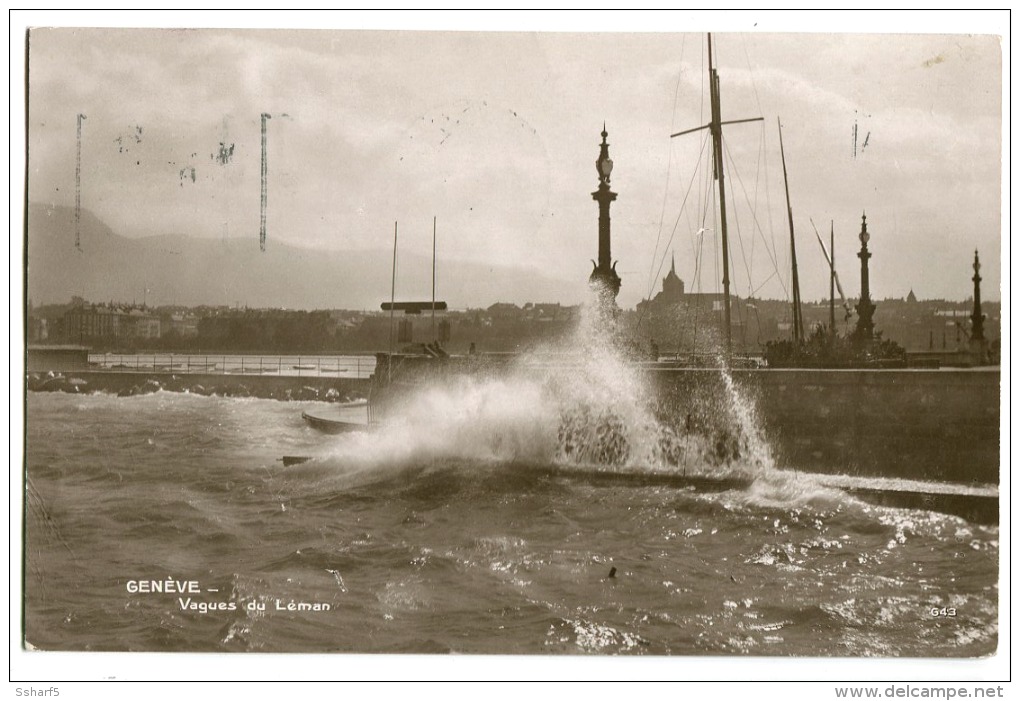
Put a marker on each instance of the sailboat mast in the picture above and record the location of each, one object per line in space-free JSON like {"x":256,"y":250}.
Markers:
{"x":832,"y":279}
{"x":393,"y":299}
{"x":433,"y":279}
{"x":264,"y":195}
{"x":77,"y":187}
{"x":716,"y":128}
{"x":798,"y":324}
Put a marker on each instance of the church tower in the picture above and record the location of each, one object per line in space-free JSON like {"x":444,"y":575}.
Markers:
{"x":672,"y":286}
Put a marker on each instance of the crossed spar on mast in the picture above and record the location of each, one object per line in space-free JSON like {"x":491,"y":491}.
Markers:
{"x":716,"y":126}
{"x":77,"y":184}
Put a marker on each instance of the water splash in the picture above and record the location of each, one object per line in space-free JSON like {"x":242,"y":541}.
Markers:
{"x":593,"y":407}
{"x":744,"y":413}
{"x":464,"y":417}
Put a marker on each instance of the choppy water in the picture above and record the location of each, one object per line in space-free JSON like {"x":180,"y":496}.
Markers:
{"x":459,"y":528}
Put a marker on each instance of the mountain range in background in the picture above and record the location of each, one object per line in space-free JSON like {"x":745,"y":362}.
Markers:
{"x":187,"y":270}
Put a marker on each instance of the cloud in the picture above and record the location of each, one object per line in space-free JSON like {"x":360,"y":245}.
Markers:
{"x":496,"y":134}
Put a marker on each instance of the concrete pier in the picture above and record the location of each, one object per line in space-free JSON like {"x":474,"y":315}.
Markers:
{"x":938,"y":425}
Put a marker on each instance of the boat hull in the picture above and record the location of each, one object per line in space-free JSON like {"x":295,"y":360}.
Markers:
{"x":330,"y":422}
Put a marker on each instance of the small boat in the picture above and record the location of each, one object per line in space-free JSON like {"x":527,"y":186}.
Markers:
{"x":328,"y":420}
{"x":303,"y":367}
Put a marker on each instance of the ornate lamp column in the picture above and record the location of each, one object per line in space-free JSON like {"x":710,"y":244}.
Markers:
{"x":603,"y":277}
{"x":977,"y":319}
{"x":978,"y":344}
{"x":865,"y":330}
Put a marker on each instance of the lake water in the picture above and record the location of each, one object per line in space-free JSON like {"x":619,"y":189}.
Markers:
{"x":472,"y":521}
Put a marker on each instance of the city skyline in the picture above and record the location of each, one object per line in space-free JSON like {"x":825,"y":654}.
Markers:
{"x":496,"y":135}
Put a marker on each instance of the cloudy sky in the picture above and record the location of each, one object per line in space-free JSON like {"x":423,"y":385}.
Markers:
{"x":496,"y":135}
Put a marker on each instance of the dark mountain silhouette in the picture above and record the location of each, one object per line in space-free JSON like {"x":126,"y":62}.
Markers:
{"x":186,"y":270}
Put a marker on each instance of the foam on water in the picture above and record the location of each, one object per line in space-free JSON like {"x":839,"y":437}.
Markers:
{"x":779,"y":489}
{"x":597,"y":408}
{"x":471,"y":418}
{"x":472,"y":554}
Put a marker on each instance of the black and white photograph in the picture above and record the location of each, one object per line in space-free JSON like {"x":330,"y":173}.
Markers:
{"x":677,"y":343}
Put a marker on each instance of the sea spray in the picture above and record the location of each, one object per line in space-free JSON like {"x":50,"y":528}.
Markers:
{"x":596,"y":407}
{"x":463,"y":417}
{"x":745,"y":415}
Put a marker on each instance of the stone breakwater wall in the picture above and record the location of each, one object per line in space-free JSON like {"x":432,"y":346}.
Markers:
{"x":938,"y":425}
{"x":330,"y":389}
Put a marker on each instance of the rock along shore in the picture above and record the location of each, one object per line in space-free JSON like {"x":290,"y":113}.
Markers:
{"x":129,"y":384}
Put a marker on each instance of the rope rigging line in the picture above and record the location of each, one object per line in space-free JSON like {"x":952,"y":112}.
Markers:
{"x":750,"y":70}
{"x":743,"y":253}
{"x":768,"y":205}
{"x":762,"y":154}
{"x":736,"y":221}
{"x":766,"y":281}
{"x":742,"y":310}
{"x":676,"y":224}
{"x":669,"y":169}
{"x":757,"y":225}
{"x":757,"y":182}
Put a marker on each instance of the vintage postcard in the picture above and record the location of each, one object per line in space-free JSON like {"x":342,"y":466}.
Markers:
{"x":670,"y":343}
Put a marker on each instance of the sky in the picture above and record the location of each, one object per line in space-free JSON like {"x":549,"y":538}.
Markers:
{"x":496,"y":133}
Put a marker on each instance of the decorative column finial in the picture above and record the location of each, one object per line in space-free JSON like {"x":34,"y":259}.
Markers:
{"x":977,"y":319}
{"x":604,"y":276}
{"x":865,"y":330}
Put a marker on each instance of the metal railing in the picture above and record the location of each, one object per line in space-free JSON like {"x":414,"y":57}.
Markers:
{"x":353,"y":366}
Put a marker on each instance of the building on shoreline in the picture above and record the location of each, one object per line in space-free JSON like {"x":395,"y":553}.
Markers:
{"x":91,"y":322}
